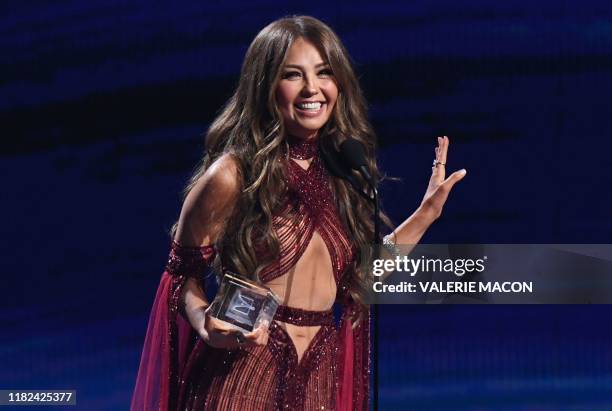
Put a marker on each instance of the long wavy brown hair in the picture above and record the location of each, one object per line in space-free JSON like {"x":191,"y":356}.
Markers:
{"x":250,"y":127}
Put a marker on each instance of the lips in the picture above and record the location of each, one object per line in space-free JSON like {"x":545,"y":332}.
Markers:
{"x":310,"y":108}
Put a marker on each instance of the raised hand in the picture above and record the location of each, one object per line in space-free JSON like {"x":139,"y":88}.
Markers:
{"x":439,"y":186}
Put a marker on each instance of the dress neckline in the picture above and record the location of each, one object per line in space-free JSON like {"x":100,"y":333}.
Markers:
{"x":300,"y":149}
{"x":299,"y":166}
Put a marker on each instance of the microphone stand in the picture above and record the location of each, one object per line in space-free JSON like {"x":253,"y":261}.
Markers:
{"x":376,"y":255}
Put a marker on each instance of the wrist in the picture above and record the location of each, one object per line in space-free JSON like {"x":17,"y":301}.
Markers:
{"x":411,"y":230}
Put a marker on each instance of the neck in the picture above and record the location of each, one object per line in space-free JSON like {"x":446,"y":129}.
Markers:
{"x":302,"y":149}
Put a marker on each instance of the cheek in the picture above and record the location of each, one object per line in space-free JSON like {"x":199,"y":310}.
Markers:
{"x":331,"y":92}
{"x":284,"y":97}
{"x":333,"y":101}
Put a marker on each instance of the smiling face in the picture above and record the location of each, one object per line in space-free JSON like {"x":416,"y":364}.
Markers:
{"x":306,"y":92}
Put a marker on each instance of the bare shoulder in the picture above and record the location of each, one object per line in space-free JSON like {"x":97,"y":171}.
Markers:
{"x":209,"y":203}
{"x":222,"y":175}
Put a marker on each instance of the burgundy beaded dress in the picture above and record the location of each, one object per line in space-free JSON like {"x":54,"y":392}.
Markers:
{"x":179,"y":371}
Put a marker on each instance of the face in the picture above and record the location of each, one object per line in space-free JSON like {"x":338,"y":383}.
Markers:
{"x":307,"y":91}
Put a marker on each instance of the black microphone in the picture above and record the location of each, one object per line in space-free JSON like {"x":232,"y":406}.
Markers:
{"x":353,"y":154}
{"x":338,"y":167}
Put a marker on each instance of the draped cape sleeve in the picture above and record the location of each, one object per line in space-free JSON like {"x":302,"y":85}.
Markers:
{"x":169,"y":337}
{"x":353,"y":361}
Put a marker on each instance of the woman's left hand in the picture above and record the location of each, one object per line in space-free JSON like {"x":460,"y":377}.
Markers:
{"x":439,"y":186}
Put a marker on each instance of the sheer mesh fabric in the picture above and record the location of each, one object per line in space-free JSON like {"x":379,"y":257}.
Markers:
{"x":309,"y":207}
{"x":263,"y":378}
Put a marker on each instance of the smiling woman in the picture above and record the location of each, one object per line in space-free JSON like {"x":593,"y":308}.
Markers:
{"x":263,"y":205}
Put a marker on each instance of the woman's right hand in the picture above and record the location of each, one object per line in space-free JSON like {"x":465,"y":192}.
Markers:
{"x":219,"y":334}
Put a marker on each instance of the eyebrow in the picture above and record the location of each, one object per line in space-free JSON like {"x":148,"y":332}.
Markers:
{"x":302,"y":67}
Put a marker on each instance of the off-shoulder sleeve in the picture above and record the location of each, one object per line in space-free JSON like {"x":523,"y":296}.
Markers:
{"x":169,"y":338}
{"x":189,"y":261}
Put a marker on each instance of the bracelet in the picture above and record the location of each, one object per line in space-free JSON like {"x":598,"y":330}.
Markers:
{"x":390,"y":246}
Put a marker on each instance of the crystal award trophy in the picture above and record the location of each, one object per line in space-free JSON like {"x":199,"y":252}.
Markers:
{"x":244,"y":304}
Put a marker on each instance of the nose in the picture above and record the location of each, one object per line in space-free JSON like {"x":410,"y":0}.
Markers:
{"x":311,"y":87}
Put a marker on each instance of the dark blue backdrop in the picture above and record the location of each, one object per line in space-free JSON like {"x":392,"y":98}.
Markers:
{"x":102,"y":106}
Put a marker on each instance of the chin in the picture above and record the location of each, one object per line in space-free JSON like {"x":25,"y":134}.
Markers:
{"x":304,"y":132}
{"x":309,"y":128}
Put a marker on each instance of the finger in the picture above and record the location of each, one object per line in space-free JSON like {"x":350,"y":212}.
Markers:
{"x":212,"y":324}
{"x":265,"y":332}
{"x":454,"y":178}
{"x":444,"y":150}
{"x":437,"y":149}
{"x":256,"y":337}
{"x":434,"y":166}
{"x":438,"y":171}
{"x":253,"y":335}
{"x":239,"y":339}
{"x":261,"y":337}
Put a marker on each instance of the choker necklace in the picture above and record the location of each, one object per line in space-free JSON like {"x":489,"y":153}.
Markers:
{"x":303,"y":149}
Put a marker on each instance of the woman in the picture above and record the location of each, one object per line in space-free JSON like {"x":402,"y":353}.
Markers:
{"x":263,"y":205}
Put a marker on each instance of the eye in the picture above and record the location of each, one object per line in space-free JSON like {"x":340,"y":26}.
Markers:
{"x":326,"y":72}
{"x":291,"y":74}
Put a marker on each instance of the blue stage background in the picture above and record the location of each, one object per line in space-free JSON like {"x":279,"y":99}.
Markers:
{"x":103,"y":104}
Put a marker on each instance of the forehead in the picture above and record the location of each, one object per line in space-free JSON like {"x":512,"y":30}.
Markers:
{"x":302,"y":52}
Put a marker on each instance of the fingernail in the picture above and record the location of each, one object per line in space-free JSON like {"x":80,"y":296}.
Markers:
{"x":463,"y":171}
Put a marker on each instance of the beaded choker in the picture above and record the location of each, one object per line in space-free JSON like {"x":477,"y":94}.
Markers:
{"x":300,"y":149}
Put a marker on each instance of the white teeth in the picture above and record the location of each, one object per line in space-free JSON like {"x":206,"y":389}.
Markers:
{"x":309,"y":106}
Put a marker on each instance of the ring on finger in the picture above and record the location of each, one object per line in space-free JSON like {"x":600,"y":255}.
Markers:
{"x":240,"y":338}
{"x":437,"y":163}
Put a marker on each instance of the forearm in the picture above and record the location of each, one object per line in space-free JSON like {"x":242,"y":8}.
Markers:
{"x":409,"y":233}
{"x":194,"y":303}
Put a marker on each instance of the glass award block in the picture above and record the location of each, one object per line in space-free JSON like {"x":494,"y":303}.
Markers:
{"x":244,"y":304}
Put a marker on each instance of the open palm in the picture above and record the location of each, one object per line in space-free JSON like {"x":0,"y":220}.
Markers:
{"x":439,"y":186}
